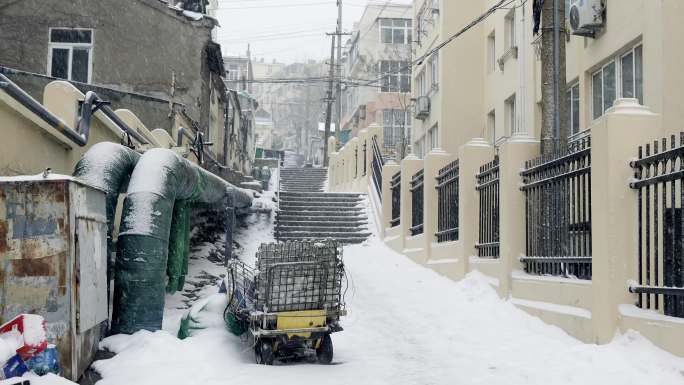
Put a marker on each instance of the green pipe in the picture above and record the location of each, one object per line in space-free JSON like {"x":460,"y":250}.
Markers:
{"x":160,"y":178}
{"x":108,"y":166}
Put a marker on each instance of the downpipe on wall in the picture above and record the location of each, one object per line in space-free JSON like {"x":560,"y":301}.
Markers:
{"x":160,"y":178}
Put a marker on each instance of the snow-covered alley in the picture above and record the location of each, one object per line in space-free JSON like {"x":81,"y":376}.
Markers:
{"x":406,"y":325}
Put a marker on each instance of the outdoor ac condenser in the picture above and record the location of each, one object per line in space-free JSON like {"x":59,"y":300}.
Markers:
{"x":586,"y":16}
{"x":53,"y":246}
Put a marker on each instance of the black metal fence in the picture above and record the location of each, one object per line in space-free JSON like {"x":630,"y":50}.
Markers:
{"x":395,"y":187}
{"x":356,"y":162}
{"x":659,"y":181}
{"x":376,"y":165}
{"x":447,"y":214}
{"x":365,"y":157}
{"x":557,"y":188}
{"x":417,"y":201}
{"x":488,"y":189}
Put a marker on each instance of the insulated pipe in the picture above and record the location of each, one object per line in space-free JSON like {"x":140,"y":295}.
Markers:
{"x":161,"y":178}
{"x":80,"y":138}
{"x":108,"y":166}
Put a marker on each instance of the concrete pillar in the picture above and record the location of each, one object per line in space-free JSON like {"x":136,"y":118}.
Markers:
{"x":471,"y":156}
{"x":409,"y":166}
{"x":434,"y":161}
{"x":388,"y":172}
{"x":512,"y":236}
{"x":614,"y":142}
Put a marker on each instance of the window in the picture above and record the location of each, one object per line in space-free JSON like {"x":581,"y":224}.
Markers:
{"x":573,"y":108}
{"x":510,"y":115}
{"x":434,"y":71}
{"x":491,"y":52}
{"x":491,"y":124}
{"x":510,"y":30}
{"x":396,"y":76}
{"x":395,"y":31}
{"x":70,"y":54}
{"x":395,"y":123}
{"x":433,"y":136}
{"x":621,"y":76}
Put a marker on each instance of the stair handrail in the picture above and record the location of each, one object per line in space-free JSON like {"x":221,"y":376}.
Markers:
{"x":377,"y":164}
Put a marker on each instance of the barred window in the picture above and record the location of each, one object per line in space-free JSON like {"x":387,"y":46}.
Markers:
{"x":396,"y":76}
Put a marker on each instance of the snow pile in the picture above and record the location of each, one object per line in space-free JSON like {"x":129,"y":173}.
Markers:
{"x":34,"y":329}
{"x":48,"y":379}
{"x":9,"y":343}
{"x":406,"y":325}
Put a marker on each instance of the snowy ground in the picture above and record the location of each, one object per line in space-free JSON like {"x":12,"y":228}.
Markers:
{"x":406,"y":325}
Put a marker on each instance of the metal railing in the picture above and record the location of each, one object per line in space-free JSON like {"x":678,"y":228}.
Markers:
{"x":376,"y":165}
{"x":557,"y":189}
{"x":488,"y":189}
{"x":417,"y":191}
{"x":659,"y":181}
{"x":395,"y":187}
{"x":447,"y":212}
{"x":365,"y":157}
{"x":356,"y":162}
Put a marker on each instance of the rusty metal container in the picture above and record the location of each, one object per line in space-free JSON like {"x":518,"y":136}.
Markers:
{"x":53,"y":262}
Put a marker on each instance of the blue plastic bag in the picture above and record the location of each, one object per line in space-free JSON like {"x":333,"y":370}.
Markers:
{"x":14,"y":367}
{"x":45,"y":362}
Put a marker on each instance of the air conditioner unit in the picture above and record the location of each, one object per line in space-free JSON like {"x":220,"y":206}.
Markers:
{"x":422,"y":107}
{"x":586,"y":17}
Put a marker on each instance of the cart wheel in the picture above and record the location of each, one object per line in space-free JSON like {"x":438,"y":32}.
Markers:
{"x":325,"y":350}
{"x":263,"y":353}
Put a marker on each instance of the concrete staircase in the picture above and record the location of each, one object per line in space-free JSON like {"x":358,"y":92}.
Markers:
{"x":308,"y":213}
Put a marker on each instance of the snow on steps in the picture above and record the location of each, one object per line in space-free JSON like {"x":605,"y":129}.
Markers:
{"x":306,"y":212}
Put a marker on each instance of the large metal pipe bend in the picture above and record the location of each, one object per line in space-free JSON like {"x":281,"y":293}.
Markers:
{"x":160,"y":178}
{"x":108,"y":166}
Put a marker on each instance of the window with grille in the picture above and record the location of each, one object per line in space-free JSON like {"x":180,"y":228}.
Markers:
{"x":70,"y":54}
{"x":396,"y":76}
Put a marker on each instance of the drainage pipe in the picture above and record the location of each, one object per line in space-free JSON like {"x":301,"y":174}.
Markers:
{"x":160,"y":178}
{"x":108,"y":166}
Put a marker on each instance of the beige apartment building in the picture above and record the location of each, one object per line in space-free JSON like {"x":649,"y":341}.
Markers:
{"x":578,"y":238}
{"x":378,"y":69}
{"x":491,"y":84}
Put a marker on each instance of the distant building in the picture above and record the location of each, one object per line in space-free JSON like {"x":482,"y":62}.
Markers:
{"x":379,"y":51}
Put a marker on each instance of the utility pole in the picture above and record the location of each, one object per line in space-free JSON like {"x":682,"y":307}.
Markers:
{"x":329,"y":99}
{"x":338,"y":125}
{"x":554,"y":98}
